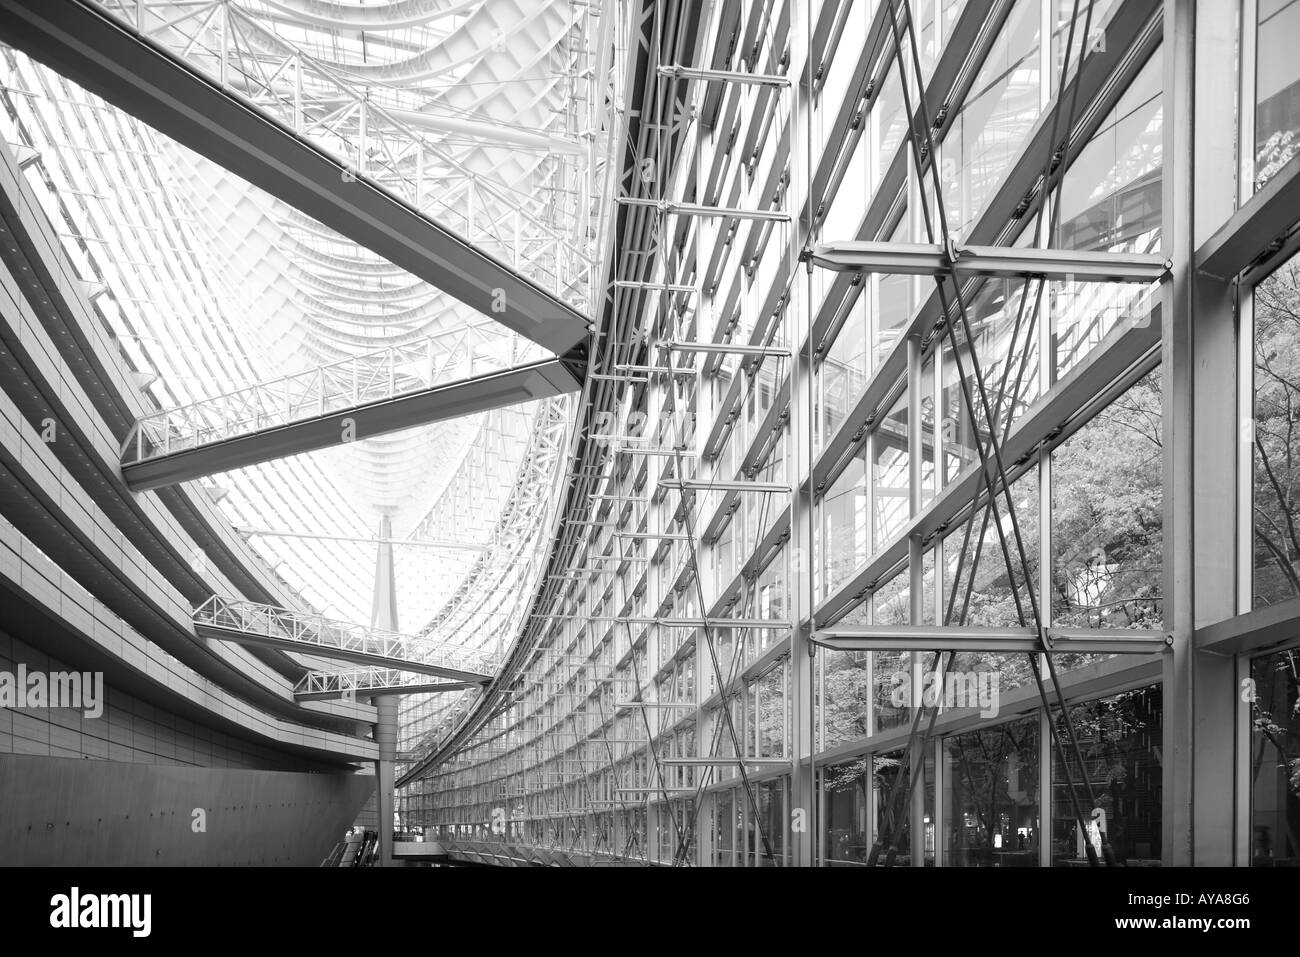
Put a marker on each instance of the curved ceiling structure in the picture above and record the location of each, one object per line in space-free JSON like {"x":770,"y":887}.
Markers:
{"x":484,"y":116}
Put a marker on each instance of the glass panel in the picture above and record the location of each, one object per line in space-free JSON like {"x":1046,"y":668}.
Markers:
{"x":1275,"y":759}
{"x":893,"y":303}
{"x":1120,"y":738}
{"x":991,"y":780}
{"x":1277,"y":435}
{"x":1277,"y":87}
{"x":771,"y":714}
{"x":928,"y":455}
{"x":724,"y":830}
{"x":848,"y":206}
{"x":770,"y":797}
{"x":847,"y":696}
{"x":1107,"y":531}
{"x":889,"y":772}
{"x":844,"y":788}
{"x":890,"y":669}
{"x":846,"y":534}
{"x":844,"y":369}
{"x":890,"y":474}
{"x":1110,"y":197}
{"x":889,"y":121}
{"x":1093,"y":20}
{"x":992,"y":601}
{"x":999,"y":112}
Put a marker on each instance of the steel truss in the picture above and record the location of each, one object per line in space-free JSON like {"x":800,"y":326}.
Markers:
{"x":450,"y":375}
{"x":380,"y":126}
{"x":370,"y":683}
{"x":253,"y":623}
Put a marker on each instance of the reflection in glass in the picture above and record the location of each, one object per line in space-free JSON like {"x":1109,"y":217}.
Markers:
{"x":991,"y":805}
{"x":998,"y":114}
{"x":846,"y":696}
{"x":890,"y":473}
{"x":979,"y":585}
{"x":1277,"y":435}
{"x":1277,"y":87}
{"x":845,"y":797}
{"x":1110,"y":196}
{"x":889,"y":774}
{"x":1120,"y":738}
{"x":889,"y":668}
{"x":894,"y":304}
{"x":1107,"y":533}
{"x":770,"y":797}
{"x":845,"y":530}
{"x":1275,"y":759}
{"x":844,"y":369}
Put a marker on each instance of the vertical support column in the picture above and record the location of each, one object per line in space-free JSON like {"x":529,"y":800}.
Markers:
{"x":384,"y":615}
{"x":803,"y":731}
{"x":1199,"y":365}
{"x":386,"y":738}
{"x":916,"y":592}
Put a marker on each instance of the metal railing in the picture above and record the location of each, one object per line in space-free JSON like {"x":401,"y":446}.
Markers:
{"x":314,"y":630}
{"x":357,"y":682}
{"x":456,"y":356}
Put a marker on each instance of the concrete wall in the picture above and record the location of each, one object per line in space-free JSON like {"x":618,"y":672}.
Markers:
{"x":130,"y":728}
{"x":78,"y":812}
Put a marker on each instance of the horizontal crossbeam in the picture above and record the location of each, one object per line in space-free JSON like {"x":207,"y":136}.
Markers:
{"x":678,"y":71}
{"x":971,"y":638}
{"x":932,"y":259}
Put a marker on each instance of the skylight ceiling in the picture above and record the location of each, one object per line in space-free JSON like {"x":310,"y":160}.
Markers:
{"x":479,"y":114}
{"x":476,"y":113}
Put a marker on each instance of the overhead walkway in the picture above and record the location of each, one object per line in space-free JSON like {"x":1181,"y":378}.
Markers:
{"x":250,"y":623}
{"x":108,"y":58}
{"x":370,"y":683}
{"x":357,"y":398}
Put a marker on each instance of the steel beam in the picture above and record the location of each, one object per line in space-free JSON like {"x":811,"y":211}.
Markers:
{"x":725,"y":762}
{"x":536,"y":380}
{"x":726,"y":348}
{"x":1262,"y":220}
{"x":677,"y":71}
{"x":330,"y":686}
{"x":105,"y":56}
{"x":709,"y":212}
{"x":952,"y":638}
{"x":710,"y":485}
{"x":324,"y":651}
{"x":932,"y":259}
{"x":688,"y":705}
{"x":250,"y":623}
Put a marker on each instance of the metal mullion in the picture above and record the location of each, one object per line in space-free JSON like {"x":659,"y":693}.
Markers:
{"x":1247,"y":87}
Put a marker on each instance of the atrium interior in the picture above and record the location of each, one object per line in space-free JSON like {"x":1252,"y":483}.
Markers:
{"x":660,"y":433}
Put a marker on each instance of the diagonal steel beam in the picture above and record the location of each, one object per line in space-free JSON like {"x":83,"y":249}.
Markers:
{"x":137,"y":75}
{"x":156,"y":467}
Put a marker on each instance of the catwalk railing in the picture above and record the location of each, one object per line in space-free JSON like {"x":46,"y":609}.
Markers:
{"x":313,"y":634}
{"x":455,"y":356}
